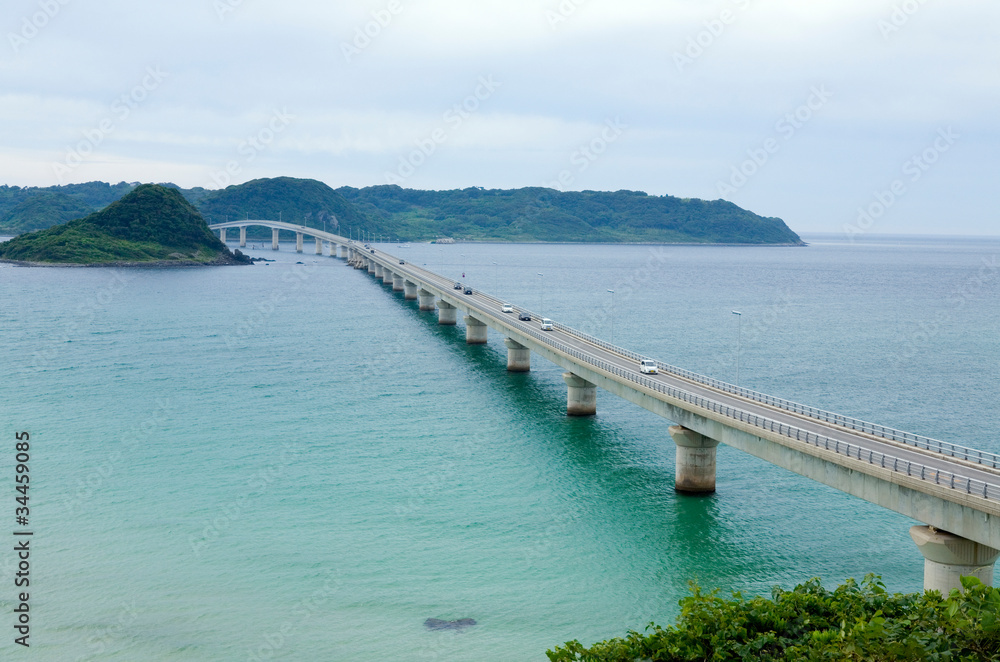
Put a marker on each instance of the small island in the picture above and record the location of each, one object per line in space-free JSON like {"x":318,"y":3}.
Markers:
{"x":152,"y":226}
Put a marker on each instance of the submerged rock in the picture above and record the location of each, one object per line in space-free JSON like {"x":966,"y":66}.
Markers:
{"x":438,"y":624}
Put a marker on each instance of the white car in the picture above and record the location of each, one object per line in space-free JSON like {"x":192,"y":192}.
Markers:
{"x":647,"y":367}
{"x":546,"y":324}
{"x":507,"y":308}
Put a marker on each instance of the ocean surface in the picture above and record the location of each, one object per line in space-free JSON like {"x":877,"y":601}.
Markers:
{"x":290,"y":462}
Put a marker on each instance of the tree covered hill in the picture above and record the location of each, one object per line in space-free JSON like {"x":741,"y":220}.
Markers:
{"x":541,"y":214}
{"x":472,"y":214}
{"x":151,"y":224}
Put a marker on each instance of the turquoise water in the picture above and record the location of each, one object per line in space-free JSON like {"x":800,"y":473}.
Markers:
{"x":290,"y":462}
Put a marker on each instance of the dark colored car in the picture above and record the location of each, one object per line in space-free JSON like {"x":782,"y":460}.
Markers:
{"x":457,"y":286}
{"x":373,"y":250}
{"x":524,"y":317}
{"x":402,"y":262}
{"x":468,"y":290}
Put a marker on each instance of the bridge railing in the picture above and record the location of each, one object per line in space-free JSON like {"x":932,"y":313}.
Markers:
{"x":898,"y":465}
{"x":917,"y":441}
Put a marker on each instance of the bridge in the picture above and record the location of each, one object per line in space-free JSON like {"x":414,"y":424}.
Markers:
{"x":953,"y":490}
{"x":301,"y":231}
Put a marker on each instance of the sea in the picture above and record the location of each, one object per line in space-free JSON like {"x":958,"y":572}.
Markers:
{"x":291,"y":462}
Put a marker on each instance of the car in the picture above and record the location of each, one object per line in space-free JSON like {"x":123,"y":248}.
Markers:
{"x":506,"y":308}
{"x":468,"y":290}
{"x":457,"y":286}
{"x":373,"y":250}
{"x":546,"y":324}
{"x":402,"y":262}
{"x":524,"y":317}
{"x":648,"y":367}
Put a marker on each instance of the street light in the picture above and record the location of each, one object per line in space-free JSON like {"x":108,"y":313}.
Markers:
{"x":612,"y":316}
{"x":496,"y":289}
{"x":541,"y":295}
{"x":739,"y":337}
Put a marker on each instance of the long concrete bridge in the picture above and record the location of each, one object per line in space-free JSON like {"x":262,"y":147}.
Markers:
{"x":953,"y":490}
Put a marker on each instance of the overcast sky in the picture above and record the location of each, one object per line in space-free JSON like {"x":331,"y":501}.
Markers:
{"x":812,"y":111}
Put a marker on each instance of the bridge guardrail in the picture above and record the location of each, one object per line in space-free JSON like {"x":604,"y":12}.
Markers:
{"x":923,"y":472}
{"x":917,"y":441}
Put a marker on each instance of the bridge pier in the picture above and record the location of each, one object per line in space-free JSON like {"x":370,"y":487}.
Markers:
{"x":372,"y":267}
{"x":581,"y":396}
{"x":298,"y":242}
{"x":222,"y":235}
{"x":378,"y":270}
{"x":343,"y":251}
{"x":397,"y":283}
{"x":243,"y":236}
{"x":386,"y":276}
{"x":274,"y":239}
{"x":518,"y":356}
{"x":446,"y":314}
{"x":409,"y":290}
{"x":319,"y":246}
{"x":475,"y":331}
{"x":426,"y":300}
{"x":947,"y":558}
{"x":695,"y":466}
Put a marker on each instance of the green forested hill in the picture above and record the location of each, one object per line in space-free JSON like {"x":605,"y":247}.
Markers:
{"x":472,"y":214}
{"x":541,"y":214}
{"x":150,"y":224}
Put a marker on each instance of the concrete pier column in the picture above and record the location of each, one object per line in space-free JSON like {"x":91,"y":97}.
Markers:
{"x":222,"y":235}
{"x":397,"y":283}
{"x":409,"y":290}
{"x":372,"y":266}
{"x":446,"y":314}
{"x":243,"y":236}
{"x":948,"y":557}
{"x":386,"y":276}
{"x":274,"y":239}
{"x":298,"y":242}
{"x":475,"y":331}
{"x":518,"y":356}
{"x":426,"y":300}
{"x":581,"y":396}
{"x":342,"y":251}
{"x":378,"y":270}
{"x":319,"y":246}
{"x":695,"y":473}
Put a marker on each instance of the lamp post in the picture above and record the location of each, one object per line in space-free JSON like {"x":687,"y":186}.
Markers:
{"x":739,"y":337}
{"x":496,"y":280}
{"x":612,"y":316}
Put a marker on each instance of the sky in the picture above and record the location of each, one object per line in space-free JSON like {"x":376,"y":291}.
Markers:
{"x":847,"y":116}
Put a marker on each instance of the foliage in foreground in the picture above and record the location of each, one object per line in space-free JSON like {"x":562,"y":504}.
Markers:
{"x":811,"y":624}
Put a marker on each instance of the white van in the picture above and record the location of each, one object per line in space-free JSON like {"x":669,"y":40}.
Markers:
{"x":647,"y":367}
{"x":546,"y":324}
